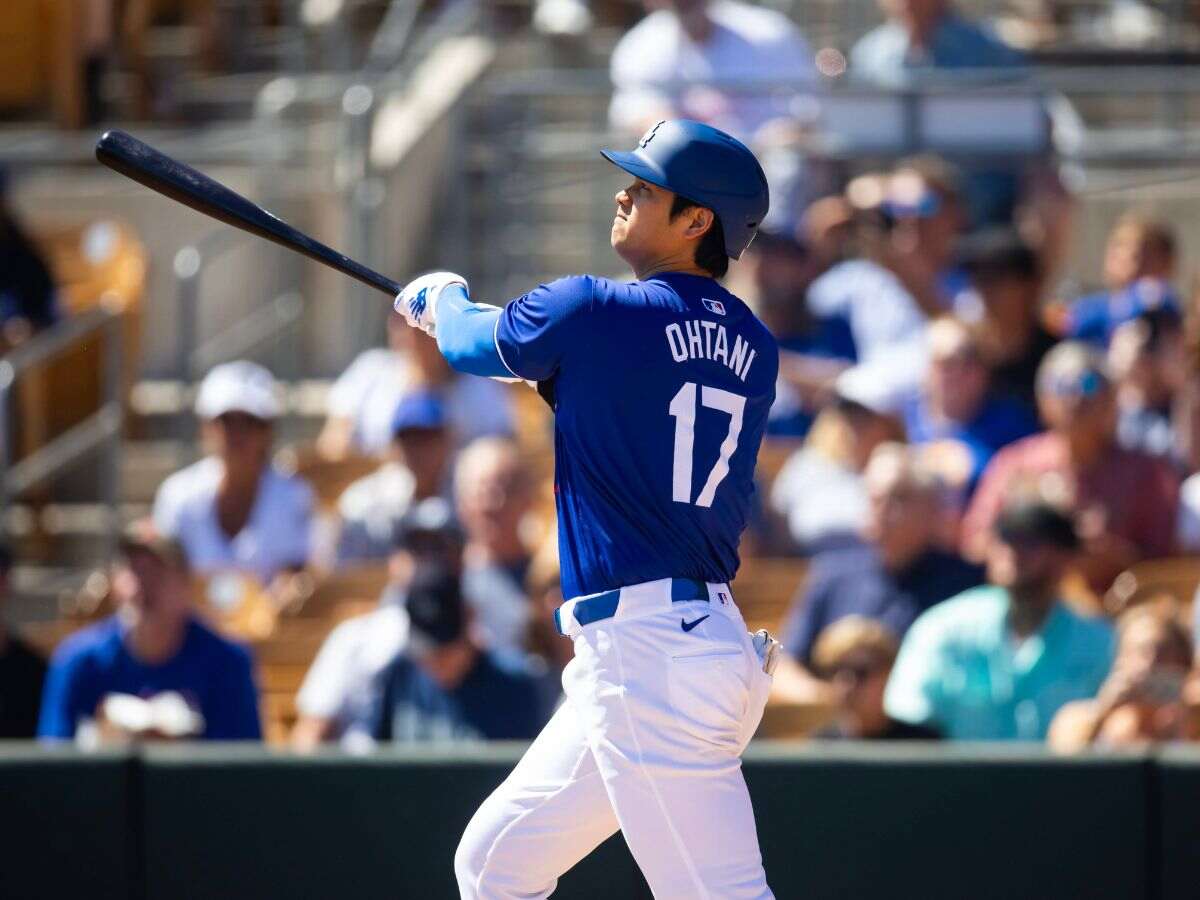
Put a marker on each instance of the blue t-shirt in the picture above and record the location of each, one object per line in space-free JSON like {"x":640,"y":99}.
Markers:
{"x":662,"y":389}
{"x":214,"y":675}
{"x":1000,"y":421}
{"x":851,"y":581}
{"x":1095,"y":317}
{"x":828,"y":338}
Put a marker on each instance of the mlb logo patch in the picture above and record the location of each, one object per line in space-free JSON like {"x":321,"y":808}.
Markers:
{"x":714,"y":306}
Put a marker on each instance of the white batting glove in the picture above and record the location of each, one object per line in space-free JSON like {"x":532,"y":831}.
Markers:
{"x":418,"y":301}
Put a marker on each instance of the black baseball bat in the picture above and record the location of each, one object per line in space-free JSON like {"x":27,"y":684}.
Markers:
{"x":134,"y":159}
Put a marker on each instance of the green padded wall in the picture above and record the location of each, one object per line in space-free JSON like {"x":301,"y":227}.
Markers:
{"x":67,"y":828}
{"x":231,"y":823}
{"x":835,"y":821}
{"x":1175,"y":800}
{"x":852,"y":822}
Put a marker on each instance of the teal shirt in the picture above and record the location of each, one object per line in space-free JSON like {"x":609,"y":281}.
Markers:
{"x":961,"y":671}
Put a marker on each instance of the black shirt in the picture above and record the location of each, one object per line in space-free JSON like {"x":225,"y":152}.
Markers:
{"x":1017,"y":377}
{"x":26,"y":286}
{"x":852,"y":581}
{"x":22,"y":673}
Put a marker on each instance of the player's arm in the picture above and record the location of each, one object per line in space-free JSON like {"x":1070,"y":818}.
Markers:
{"x":438,"y":304}
{"x":528,"y":339}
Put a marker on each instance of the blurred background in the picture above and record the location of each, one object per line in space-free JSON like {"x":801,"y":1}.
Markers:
{"x":240,"y":500}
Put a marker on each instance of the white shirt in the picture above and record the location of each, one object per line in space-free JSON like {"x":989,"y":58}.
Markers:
{"x":1187,"y":529}
{"x":338,"y":684}
{"x":655,"y":60}
{"x":276,"y":535}
{"x":881,"y":312}
{"x":819,"y":498}
{"x":501,"y":608}
{"x":369,"y":391}
{"x":369,"y":510}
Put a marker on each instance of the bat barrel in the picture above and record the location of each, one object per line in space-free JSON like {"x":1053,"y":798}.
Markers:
{"x":140,"y":162}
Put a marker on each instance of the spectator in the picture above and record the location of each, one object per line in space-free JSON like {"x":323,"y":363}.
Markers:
{"x":908,"y":225}
{"x":364,"y":399}
{"x":154,"y":645}
{"x":819,"y":493}
{"x":1186,"y":426}
{"x":28,"y":297}
{"x":1141,"y":701}
{"x":1007,"y":282}
{"x":921,"y":37}
{"x":855,"y":655}
{"x":1139,"y":262}
{"x":1149,"y":363}
{"x":957,"y":420}
{"x":22,"y":672}
{"x":494,"y":493}
{"x":716,"y":61}
{"x":234,"y":510}
{"x":1125,"y":502}
{"x":337,"y":691}
{"x":444,"y":685}
{"x":813,"y":351}
{"x":371,"y":507}
{"x":896,"y":573}
{"x":997,"y":662}
{"x":544,"y":585}
{"x":926,"y":34}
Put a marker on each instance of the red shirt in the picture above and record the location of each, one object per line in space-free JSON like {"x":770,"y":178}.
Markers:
{"x":1135,"y":495}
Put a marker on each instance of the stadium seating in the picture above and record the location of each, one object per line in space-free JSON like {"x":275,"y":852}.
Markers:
{"x":1176,"y":577}
{"x":97,"y":263}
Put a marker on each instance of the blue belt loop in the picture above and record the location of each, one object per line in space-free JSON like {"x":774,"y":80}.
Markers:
{"x":684,"y":590}
{"x":604,"y":606}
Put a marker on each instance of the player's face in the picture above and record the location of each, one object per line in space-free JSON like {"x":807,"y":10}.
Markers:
{"x":642,"y":227}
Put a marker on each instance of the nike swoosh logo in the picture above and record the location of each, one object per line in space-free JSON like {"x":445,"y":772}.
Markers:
{"x":688,"y":626}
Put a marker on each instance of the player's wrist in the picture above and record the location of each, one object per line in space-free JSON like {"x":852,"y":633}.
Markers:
{"x":419,"y":299}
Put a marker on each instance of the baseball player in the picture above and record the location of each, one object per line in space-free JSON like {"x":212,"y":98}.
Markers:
{"x":661,"y":388}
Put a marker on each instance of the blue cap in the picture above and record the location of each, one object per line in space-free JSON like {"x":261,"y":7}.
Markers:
{"x":708,"y":167}
{"x":423,"y":409}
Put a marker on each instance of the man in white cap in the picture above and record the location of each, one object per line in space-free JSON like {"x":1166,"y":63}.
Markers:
{"x":233,"y":510}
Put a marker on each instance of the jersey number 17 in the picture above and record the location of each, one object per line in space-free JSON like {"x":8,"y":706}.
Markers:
{"x":683,"y":408}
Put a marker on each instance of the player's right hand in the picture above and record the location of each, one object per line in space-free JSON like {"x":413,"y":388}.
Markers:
{"x":418,"y":301}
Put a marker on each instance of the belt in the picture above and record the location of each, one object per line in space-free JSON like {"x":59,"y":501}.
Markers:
{"x":574,"y":614}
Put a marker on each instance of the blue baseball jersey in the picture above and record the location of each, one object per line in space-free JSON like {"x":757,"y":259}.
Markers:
{"x":661,"y":389}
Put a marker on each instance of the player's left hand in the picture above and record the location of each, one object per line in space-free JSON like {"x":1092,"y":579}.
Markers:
{"x":418,"y":301}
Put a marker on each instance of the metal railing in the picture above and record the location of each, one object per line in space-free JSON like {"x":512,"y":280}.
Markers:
{"x":100,"y":431}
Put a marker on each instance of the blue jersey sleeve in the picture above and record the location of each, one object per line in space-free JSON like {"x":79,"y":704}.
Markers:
{"x":536,"y":331}
{"x":235,"y":717}
{"x":61,"y":703}
{"x":466,"y":334}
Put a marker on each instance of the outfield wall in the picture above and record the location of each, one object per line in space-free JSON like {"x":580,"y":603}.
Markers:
{"x":834,"y":821}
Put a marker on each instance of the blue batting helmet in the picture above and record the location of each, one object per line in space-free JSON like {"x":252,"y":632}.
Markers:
{"x":706,"y":166}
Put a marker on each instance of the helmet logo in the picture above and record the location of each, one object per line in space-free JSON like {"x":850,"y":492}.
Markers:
{"x":649,"y":135}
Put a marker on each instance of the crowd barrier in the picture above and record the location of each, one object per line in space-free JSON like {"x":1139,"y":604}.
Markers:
{"x":847,"y":821}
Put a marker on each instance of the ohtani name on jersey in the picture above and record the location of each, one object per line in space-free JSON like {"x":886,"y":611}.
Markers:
{"x":700,"y":339}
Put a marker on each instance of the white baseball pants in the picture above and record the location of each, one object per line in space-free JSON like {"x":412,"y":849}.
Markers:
{"x":649,"y":741}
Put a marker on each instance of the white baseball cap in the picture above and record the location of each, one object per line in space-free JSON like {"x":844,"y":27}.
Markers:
{"x":239,"y":386}
{"x":884,"y":385}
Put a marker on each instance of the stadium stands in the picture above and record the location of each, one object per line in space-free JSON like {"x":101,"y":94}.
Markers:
{"x":528,"y":203}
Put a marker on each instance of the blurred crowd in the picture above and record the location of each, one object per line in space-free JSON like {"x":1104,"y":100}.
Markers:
{"x":969,"y":452}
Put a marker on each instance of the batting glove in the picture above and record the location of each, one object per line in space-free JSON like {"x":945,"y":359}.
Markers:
{"x":418,"y":301}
